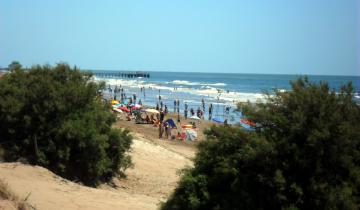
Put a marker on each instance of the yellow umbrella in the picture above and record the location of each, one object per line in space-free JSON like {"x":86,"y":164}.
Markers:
{"x":154,"y":111}
{"x":113,"y":102}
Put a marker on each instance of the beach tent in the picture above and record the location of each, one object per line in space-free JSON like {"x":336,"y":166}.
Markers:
{"x":153,"y":111}
{"x":218,"y":120}
{"x":191,"y":134}
{"x":171,"y":123}
{"x":194,"y":117}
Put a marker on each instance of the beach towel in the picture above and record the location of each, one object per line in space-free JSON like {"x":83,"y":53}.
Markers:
{"x":191,"y":134}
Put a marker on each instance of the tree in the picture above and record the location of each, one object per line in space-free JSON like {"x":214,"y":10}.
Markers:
{"x":304,"y":154}
{"x":53,"y":117}
{"x":14,"y":65}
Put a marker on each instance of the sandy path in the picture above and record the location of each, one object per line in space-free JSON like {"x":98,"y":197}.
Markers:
{"x":151,"y":180}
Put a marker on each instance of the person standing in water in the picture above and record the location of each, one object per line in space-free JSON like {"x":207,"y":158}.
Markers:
{"x":174,"y":105}
{"x":166,"y":110}
{"x":203,"y":104}
{"x":178,"y":106}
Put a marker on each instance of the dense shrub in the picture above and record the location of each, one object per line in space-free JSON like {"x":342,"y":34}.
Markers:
{"x":53,"y":117}
{"x":304,"y":154}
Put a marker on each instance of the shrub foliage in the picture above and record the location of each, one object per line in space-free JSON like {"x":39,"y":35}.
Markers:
{"x":304,"y":154}
{"x":53,"y":117}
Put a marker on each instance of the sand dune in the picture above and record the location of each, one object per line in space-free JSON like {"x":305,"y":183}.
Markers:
{"x":152,"y":179}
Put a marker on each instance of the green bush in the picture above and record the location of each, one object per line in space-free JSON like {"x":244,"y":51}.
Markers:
{"x":304,"y":154}
{"x":53,"y":117}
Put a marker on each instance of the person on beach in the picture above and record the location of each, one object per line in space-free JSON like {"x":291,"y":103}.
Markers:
{"x":161,"y":105}
{"x":210,"y":111}
{"x":161,"y":130}
{"x":192,"y":112}
{"x":157,"y":106}
{"x":152,"y":119}
{"x":147,"y":119}
{"x":174,"y":105}
{"x":178,"y":106}
{"x":186,"y":110}
{"x":198,"y":112}
{"x":162,"y":115}
{"x":140,"y":102}
{"x":203,"y":104}
{"x":165,"y":125}
{"x":134,"y":96}
{"x":166,"y":110}
{"x":167,"y":128}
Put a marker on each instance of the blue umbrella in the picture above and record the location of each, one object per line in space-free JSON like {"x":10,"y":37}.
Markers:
{"x":218,"y":120}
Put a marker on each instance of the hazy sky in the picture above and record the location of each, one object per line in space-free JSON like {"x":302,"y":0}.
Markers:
{"x":253,"y":36}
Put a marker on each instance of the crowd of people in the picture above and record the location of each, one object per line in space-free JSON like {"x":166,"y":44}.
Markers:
{"x":132,"y":103}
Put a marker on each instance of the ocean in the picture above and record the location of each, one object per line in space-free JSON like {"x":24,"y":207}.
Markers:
{"x":223,"y":91}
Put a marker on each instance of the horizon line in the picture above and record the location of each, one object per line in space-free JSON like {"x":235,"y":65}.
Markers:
{"x":289,"y":74}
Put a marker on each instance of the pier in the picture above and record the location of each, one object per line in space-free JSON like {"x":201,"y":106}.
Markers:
{"x":121,"y":74}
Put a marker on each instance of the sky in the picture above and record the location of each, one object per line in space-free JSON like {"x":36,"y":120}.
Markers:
{"x":254,"y":36}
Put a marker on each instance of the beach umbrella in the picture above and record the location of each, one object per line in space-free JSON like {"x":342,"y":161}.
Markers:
{"x":154,"y":111}
{"x":218,"y":120}
{"x":135,"y":108}
{"x":113,"y":102}
{"x":194,"y":117}
{"x":124,"y":108}
{"x":118,"y":110}
{"x":116,"y":105}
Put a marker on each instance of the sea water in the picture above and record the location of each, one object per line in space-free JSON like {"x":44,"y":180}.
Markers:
{"x":222,"y":90}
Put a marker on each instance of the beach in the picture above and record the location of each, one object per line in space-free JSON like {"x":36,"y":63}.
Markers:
{"x":149,"y":182}
{"x":221,"y":90}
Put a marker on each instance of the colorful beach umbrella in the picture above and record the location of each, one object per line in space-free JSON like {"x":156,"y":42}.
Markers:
{"x":154,"y":111}
{"x":135,"y":108}
{"x":118,"y":110}
{"x":124,"y":108}
{"x":113,"y":102}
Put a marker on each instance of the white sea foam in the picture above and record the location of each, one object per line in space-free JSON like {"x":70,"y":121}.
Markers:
{"x":185,"y":82}
{"x":231,"y":96}
{"x":205,"y":90}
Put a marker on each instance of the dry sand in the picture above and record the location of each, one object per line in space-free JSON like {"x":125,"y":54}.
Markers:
{"x":149,"y":182}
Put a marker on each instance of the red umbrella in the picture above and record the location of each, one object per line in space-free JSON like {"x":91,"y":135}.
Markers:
{"x":123,"y":108}
{"x":135,"y":108}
